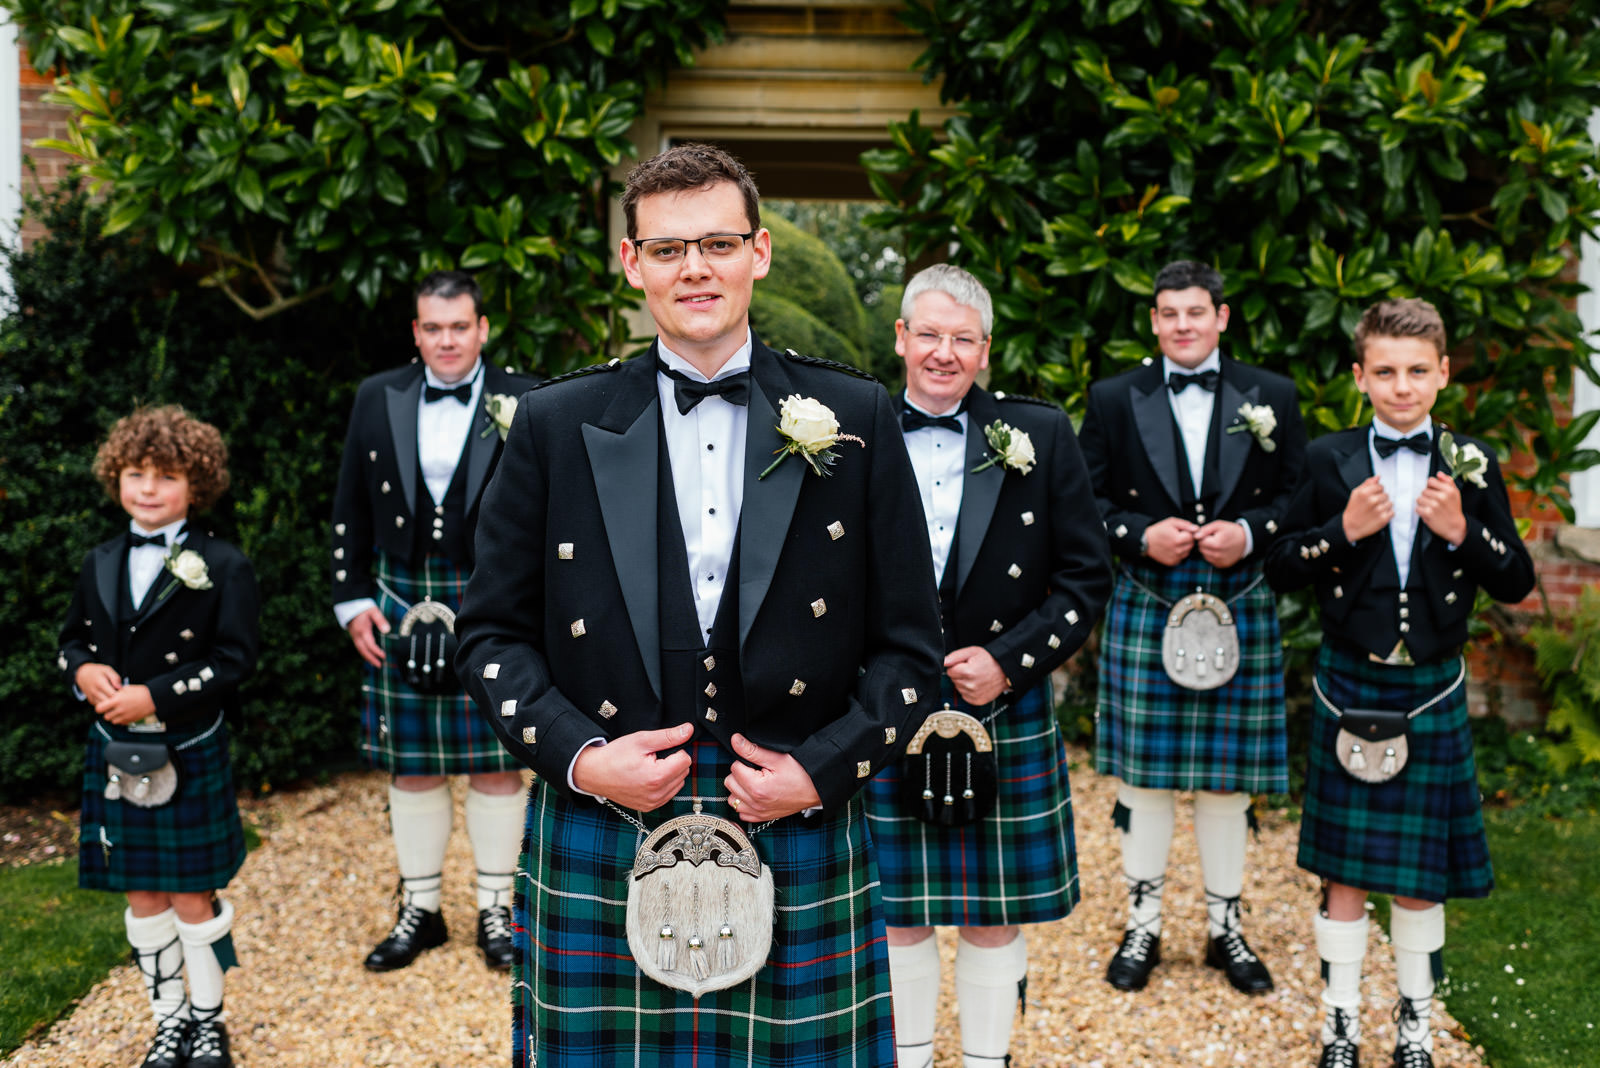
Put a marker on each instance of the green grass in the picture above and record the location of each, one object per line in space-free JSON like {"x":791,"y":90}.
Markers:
{"x":56,"y":942}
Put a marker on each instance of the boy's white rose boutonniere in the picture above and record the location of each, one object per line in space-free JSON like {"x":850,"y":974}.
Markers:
{"x":187,"y":567}
{"x":1260,"y":420}
{"x":501,"y":408}
{"x":810,"y":431}
{"x":1465,"y":462}
{"x":1012,"y":447}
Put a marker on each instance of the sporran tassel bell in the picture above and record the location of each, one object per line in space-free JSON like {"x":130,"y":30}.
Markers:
{"x":1358,"y":760}
{"x":699,"y":967}
{"x":667,"y":950}
{"x":1388,"y":766}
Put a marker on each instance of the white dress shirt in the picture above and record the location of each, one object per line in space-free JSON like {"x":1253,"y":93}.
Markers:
{"x":1403,"y":475}
{"x":145,"y":563}
{"x":939,"y":461}
{"x":1194,"y":409}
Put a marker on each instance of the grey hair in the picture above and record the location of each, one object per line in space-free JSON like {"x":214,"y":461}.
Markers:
{"x":953,"y":282}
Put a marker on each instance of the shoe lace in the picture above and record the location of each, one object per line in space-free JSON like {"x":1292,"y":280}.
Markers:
{"x":1233,"y":943}
{"x":169,"y":1040}
{"x":207,"y":1041}
{"x":496,"y":923}
{"x":407,"y":922}
{"x":1410,"y":1052}
{"x":1137,"y":944}
{"x":1341,"y":1052}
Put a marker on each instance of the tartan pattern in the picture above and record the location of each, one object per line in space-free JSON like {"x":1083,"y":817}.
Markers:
{"x":1421,"y":833}
{"x":579,"y":1000}
{"x":192,"y":844}
{"x":408,"y":733}
{"x":1019,"y":865}
{"x":1152,"y":733}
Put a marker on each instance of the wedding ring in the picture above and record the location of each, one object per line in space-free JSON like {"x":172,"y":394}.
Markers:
{"x":734,"y":802}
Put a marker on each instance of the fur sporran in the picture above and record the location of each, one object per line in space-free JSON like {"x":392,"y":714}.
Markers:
{"x":1200,"y":646}
{"x":1373,"y":744}
{"x":700,"y":905}
{"x":949,"y":776}
{"x":427,"y":638}
{"x":140,"y":773}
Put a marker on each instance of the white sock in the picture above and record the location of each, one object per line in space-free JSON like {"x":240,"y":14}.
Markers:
{"x":1416,"y":934}
{"x":420,"y":821}
{"x":1145,"y":845}
{"x":494,"y":823}
{"x":986,"y":998}
{"x":1342,"y":945}
{"x":914,"y":980}
{"x":160,"y":957}
{"x":1220,"y":829}
{"x":205,"y":972}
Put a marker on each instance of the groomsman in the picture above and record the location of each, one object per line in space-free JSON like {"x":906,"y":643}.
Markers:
{"x":695,"y":599}
{"x":1193,"y":458}
{"x":419,"y":451}
{"x":1023,"y":571}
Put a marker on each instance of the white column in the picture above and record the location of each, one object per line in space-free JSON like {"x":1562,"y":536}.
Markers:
{"x":1585,"y":394}
{"x":10,"y":145}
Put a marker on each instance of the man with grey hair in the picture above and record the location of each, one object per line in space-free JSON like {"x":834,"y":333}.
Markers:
{"x":1023,"y":569}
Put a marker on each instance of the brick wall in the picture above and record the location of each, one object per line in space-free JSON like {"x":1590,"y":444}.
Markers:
{"x":40,"y":121}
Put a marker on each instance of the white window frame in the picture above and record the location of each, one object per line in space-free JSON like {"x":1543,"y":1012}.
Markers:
{"x":10,"y":145}
{"x":1585,"y":394}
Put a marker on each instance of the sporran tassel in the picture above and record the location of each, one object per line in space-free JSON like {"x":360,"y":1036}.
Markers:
{"x":1388,"y":765}
{"x":667,"y":950}
{"x":724,"y":950}
{"x":1358,"y":762}
{"x":699,"y":967}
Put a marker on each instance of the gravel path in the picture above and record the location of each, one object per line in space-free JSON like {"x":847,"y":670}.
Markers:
{"x":316,"y":896}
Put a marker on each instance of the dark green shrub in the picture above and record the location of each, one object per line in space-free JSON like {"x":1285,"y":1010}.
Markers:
{"x":783,"y":324}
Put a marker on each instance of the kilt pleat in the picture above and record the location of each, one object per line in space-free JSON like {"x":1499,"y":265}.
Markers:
{"x":579,"y":1000}
{"x":1152,"y":733}
{"x":192,"y":844}
{"x":409,"y":733}
{"x":1420,"y":834}
{"x":1018,"y":865}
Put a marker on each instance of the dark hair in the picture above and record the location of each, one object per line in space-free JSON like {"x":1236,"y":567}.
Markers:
{"x":175,"y":443}
{"x":1410,"y":317}
{"x":1186,"y":274}
{"x":691,"y":166}
{"x":450,"y":285}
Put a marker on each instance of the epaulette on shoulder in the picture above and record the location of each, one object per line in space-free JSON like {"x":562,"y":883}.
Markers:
{"x":1022,"y":399}
{"x":833,"y":365}
{"x":594,"y":368}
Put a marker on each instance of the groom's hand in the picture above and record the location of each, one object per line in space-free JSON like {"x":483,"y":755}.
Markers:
{"x":775,"y":787}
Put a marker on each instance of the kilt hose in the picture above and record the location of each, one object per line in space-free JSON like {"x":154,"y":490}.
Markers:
{"x":1421,"y":833}
{"x":409,"y":733}
{"x":192,"y":844}
{"x":1018,"y":865}
{"x":822,"y":999}
{"x":1152,"y":733}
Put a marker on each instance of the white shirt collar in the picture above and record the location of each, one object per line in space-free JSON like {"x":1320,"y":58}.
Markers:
{"x":1384,"y":430}
{"x":438,"y":383}
{"x":739,"y":361}
{"x":1210,"y":363}
{"x":955,"y":409}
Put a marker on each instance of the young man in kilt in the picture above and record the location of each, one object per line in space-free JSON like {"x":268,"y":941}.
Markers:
{"x":422,"y":443}
{"x":1023,"y":571}
{"x":161,"y":631}
{"x":1398,"y":527}
{"x":675,"y":610}
{"x":1193,"y":459}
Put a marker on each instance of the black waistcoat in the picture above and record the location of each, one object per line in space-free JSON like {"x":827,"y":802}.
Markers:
{"x":947,"y":592}
{"x":1205,"y":505}
{"x":441,"y":528}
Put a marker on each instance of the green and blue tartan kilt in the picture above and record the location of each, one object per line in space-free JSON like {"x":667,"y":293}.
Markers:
{"x":822,"y":999}
{"x":1018,"y":865}
{"x":1152,"y":733}
{"x":192,"y":844}
{"x":409,"y":733}
{"x":1421,"y":833}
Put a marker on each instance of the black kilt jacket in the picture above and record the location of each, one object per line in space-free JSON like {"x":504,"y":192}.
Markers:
{"x":839,"y":645}
{"x":192,"y":648}
{"x":1130,"y":444}
{"x":1032,"y":568}
{"x":376,"y":496}
{"x":1358,"y":585}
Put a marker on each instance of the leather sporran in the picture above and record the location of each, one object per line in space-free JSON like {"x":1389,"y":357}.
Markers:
{"x":1200,"y":646}
{"x":700,"y":905}
{"x":1373,"y":744}
{"x":949,"y":776}
{"x":427,"y":637}
{"x":140,"y":773}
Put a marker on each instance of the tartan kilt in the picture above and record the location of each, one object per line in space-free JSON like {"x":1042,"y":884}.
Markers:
{"x":192,"y":844}
{"x":578,"y":999}
{"x":1421,"y":833}
{"x":1152,"y":733}
{"x":409,"y":733}
{"x":1018,"y":865}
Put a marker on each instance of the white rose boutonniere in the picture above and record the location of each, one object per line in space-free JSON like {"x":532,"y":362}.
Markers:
{"x":501,"y":408}
{"x":810,"y":431}
{"x":1012,"y":447}
{"x":187,"y":567}
{"x":1466,"y":462}
{"x":1260,"y":420}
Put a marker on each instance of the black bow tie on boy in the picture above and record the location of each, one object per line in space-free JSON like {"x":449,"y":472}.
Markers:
{"x":1420,"y":444}
{"x":735,"y":389}
{"x":462,"y":393}
{"x":1177,"y":381}
{"x":135,"y":540}
{"x":911,"y":419}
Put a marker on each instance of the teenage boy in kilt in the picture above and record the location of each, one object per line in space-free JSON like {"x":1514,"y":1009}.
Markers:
{"x":1397,"y":549}
{"x":674,"y":607}
{"x":421,"y":445}
{"x":1193,"y":459}
{"x":1023,"y":571}
{"x":161,"y":631}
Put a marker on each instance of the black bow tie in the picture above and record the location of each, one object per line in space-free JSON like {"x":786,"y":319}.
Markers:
{"x":135,"y":540}
{"x":735,"y":389}
{"x":462,"y":393}
{"x":1420,"y":444}
{"x":911,"y":419}
{"x":1177,"y":381}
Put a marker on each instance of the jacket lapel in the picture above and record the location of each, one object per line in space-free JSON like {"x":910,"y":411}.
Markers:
{"x":481,"y":447}
{"x":1355,"y":466}
{"x":768,"y":502}
{"x":166,"y":584}
{"x":1233,"y":450}
{"x":1152,"y":415}
{"x":1424,"y":536}
{"x":979,"y":491}
{"x":402,"y":410}
{"x":107,"y":570}
{"x":623,"y":453}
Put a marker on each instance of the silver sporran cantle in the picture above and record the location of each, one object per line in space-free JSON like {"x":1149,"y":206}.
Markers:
{"x":1200,"y":646}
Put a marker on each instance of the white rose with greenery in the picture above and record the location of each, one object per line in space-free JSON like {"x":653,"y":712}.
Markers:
{"x":1012,"y":447}
{"x":1466,"y":462}
{"x":810,"y":430}
{"x":187,"y":567}
{"x":1259,"y":420}
{"x":502,"y":408}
